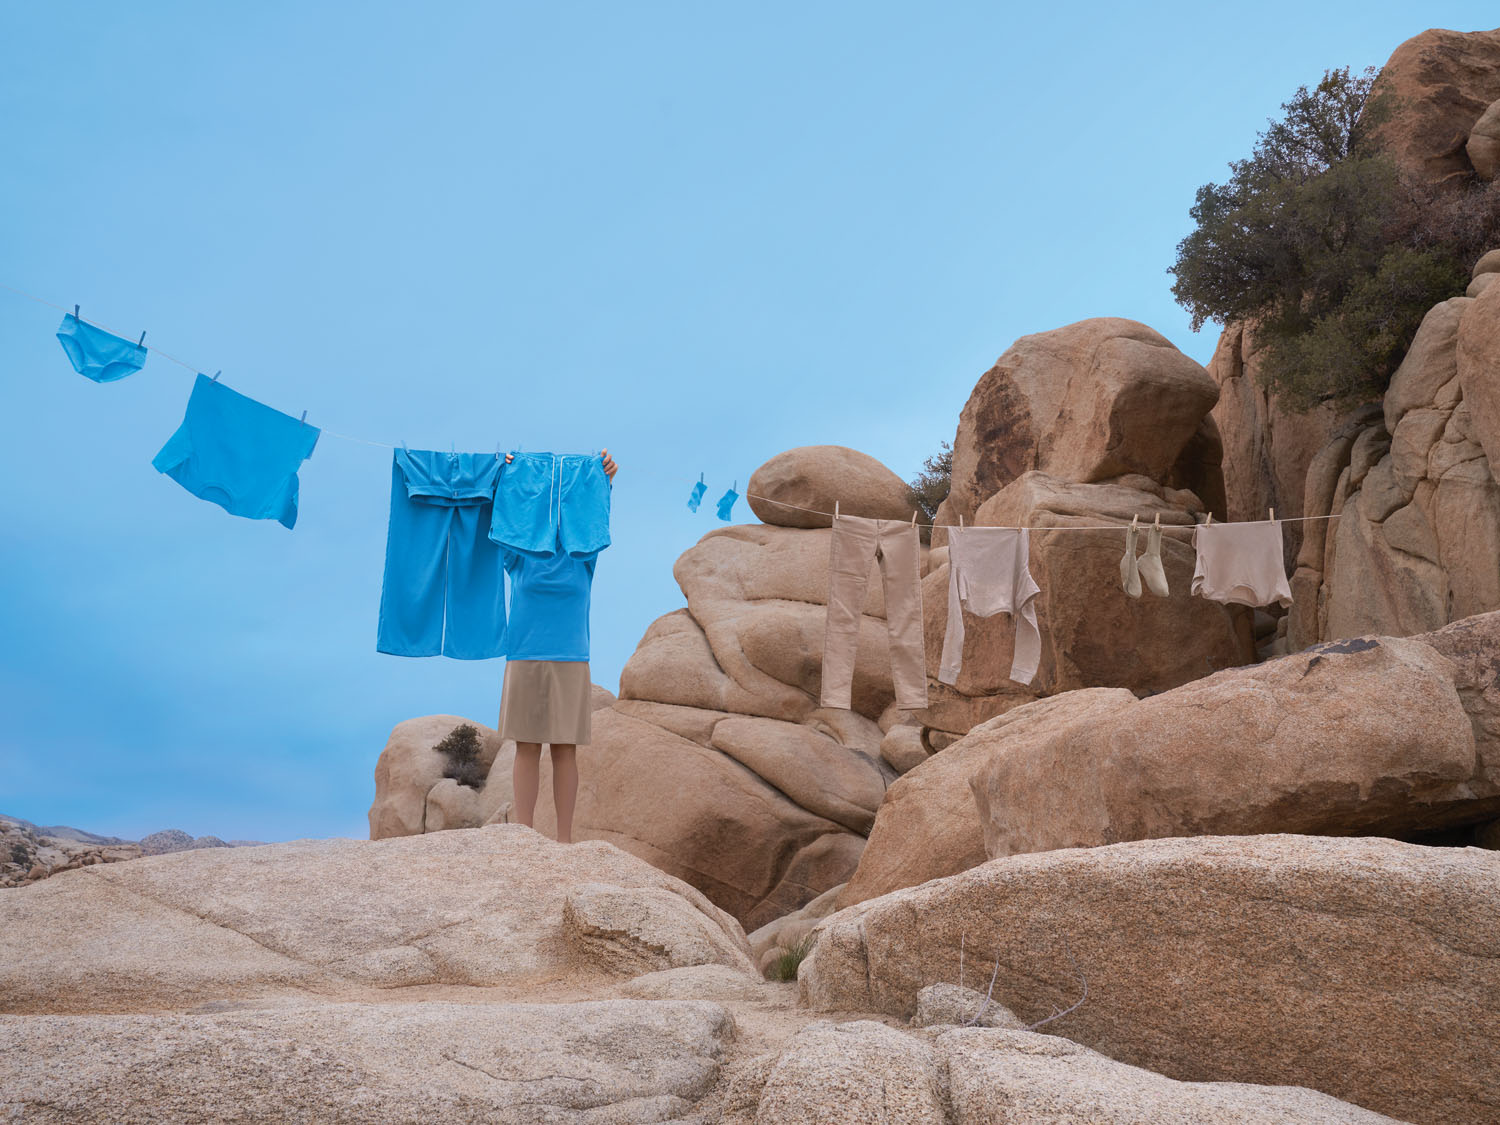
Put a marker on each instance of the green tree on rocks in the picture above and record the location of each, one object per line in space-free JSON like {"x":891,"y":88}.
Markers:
{"x":1327,"y":247}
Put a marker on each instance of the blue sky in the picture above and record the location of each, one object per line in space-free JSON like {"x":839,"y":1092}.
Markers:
{"x":697,"y":234}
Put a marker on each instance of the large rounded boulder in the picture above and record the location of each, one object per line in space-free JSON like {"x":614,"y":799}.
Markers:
{"x":797,"y":488}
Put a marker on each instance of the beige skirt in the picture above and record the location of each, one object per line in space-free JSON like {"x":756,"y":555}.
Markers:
{"x":546,"y":701}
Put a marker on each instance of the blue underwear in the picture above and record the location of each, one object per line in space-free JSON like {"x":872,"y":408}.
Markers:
{"x":100,"y":355}
{"x":238,"y":453}
{"x":697,"y":497}
{"x":440,"y":565}
{"x":549,"y":502}
{"x":726,"y":503}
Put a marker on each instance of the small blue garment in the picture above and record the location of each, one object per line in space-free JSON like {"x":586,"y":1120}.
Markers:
{"x":238,"y":453}
{"x":726,"y":503}
{"x":97,"y":354}
{"x":549,"y":502}
{"x":443,"y":593}
{"x":697,"y":497}
{"x":549,"y":606}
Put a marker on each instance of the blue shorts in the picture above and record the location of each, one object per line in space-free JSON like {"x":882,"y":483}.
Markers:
{"x":551,"y":502}
{"x":238,"y":453}
{"x":443,"y":593}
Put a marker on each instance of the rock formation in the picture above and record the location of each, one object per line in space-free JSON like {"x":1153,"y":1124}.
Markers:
{"x":1442,"y":82}
{"x":490,"y":975}
{"x":1417,"y":540}
{"x":1311,"y":961}
{"x":1098,"y":399}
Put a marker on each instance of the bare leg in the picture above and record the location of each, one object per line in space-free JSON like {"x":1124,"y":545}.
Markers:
{"x":564,"y":787}
{"x":524,"y":774}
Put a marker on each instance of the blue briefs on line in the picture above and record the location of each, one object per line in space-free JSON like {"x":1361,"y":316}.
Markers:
{"x":238,"y":453}
{"x":100,"y":355}
{"x":443,"y":593}
{"x":550,"y":502}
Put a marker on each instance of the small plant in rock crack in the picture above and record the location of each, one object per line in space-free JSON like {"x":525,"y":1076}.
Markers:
{"x":785,"y":967}
{"x":461,"y":747}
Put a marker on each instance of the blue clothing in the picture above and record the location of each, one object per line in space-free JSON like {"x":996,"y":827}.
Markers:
{"x":100,"y":355}
{"x":549,"y":606}
{"x":697,"y":497}
{"x":549,"y":502}
{"x":238,"y":453}
{"x":440,"y":565}
{"x":726,"y":503}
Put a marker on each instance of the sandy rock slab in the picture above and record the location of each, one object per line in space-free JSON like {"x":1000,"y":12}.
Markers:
{"x":863,"y":1071}
{"x":495,"y":906}
{"x":607,"y":1062}
{"x":1361,"y":967}
{"x":1365,"y":736}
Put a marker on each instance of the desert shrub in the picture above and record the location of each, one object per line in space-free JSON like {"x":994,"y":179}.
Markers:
{"x":1322,"y":242}
{"x":461,"y":747}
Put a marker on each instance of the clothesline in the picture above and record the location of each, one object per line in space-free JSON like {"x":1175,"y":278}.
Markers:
{"x":749,"y":495}
{"x":1093,"y":527}
{"x":174,"y":359}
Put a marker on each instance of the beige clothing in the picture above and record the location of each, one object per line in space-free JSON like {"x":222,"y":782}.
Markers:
{"x":546,"y":701}
{"x":1241,"y":563}
{"x":989,"y":573}
{"x":856,"y":543}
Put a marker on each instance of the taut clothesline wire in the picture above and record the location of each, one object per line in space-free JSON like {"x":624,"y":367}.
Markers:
{"x":173,"y":358}
{"x":751,"y":495}
{"x":1095,"y":527}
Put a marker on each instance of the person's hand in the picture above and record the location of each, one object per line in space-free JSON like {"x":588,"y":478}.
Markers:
{"x":509,"y":457}
{"x":610,"y":468}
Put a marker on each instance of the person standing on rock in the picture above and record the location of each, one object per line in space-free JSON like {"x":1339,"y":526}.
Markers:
{"x":549,"y":556}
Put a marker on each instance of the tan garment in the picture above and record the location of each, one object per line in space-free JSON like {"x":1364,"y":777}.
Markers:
{"x":546,"y":701}
{"x":1241,"y":563}
{"x":856,"y":543}
{"x":988,"y":573}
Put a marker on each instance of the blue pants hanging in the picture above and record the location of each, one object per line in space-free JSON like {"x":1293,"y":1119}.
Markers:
{"x":238,"y":453}
{"x":697,"y":497}
{"x":101,"y":356}
{"x":443,"y":593}
{"x":726,"y":503}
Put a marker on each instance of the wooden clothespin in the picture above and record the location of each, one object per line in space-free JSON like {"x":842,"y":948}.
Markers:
{"x":75,"y":312}
{"x":914,"y":518}
{"x":1158,"y":519}
{"x":1273,"y":514}
{"x":142,"y":343}
{"x":960,"y":521}
{"x":835,"y":509}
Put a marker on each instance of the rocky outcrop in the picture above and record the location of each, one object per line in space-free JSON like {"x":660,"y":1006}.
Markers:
{"x":1417,"y":536}
{"x":862,"y":1071}
{"x":1364,"y":968}
{"x":1442,"y":82}
{"x":799,"y":488}
{"x":1268,"y":449}
{"x":1086,"y":402}
{"x":929,"y":825}
{"x":29,"y":853}
{"x":466,"y":974}
{"x":1367,"y":736}
{"x":500,"y":905}
{"x":382,"y":1063}
{"x":1483,"y":145}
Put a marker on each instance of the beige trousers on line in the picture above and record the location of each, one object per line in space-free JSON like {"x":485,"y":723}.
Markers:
{"x":857,"y":542}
